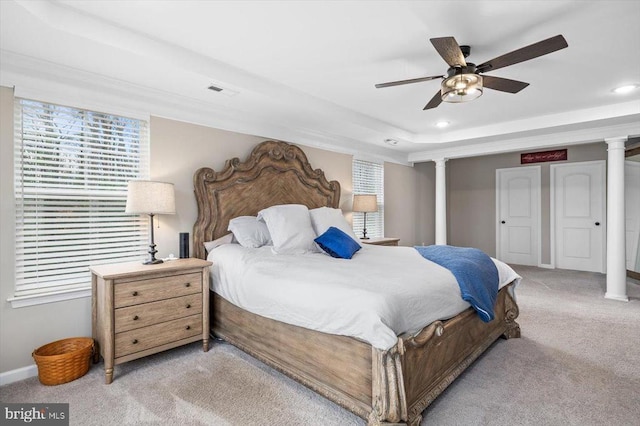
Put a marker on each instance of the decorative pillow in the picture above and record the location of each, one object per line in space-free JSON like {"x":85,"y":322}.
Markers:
{"x":210,"y":245}
{"x":323,"y":218}
{"x":338,"y":244}
{"x":290,"y":228}
{"x":249,"y":231}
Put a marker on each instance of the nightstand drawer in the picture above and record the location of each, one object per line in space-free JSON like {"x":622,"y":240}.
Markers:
{"x":146,"y":314}
{"x":156,"y":335}
{"x":143,"y":291}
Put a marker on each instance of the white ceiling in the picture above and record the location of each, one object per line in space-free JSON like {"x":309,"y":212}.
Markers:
{"x":304,"y":71}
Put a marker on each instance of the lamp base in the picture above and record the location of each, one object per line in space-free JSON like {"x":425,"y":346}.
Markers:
{"x":365,"y":238}
{"x":152,"y":250}
{"x":364,"y":229}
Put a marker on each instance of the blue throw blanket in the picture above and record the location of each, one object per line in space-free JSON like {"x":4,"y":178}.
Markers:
{"x":476,"y":273}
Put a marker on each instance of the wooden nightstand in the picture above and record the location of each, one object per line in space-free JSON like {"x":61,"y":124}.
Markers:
{"x":384,"y":241}
{"x":138,"y":310}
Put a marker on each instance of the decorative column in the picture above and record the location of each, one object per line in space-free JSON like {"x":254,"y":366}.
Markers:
{"x":616,"y":267}
{"x":441,"y":202}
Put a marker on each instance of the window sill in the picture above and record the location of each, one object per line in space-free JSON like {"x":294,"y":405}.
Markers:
{"x":40,"y":299}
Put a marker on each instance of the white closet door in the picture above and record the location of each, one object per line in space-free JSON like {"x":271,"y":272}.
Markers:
{"x":518,"y":228}
{"x":579,"y":199}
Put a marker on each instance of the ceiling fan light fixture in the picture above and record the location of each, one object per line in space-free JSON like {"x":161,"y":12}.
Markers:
{"x":461,"y":88}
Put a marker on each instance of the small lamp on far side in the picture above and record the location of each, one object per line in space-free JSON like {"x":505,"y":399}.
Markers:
{"x":148,"y":197}
{"x":365,"y":203}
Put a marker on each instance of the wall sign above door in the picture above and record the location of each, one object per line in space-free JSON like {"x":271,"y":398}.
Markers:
{"x":544,"y":156}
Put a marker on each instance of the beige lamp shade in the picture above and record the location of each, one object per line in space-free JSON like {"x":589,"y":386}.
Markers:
{"x":367,"y":203}
{"x":145,"y":196}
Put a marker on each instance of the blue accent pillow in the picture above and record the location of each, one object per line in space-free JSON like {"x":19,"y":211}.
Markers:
{"x":337,"y":244}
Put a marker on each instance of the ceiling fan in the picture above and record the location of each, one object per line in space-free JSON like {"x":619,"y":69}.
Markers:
{"x":463,"y":81}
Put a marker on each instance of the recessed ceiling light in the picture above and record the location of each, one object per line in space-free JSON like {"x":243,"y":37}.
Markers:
{"x":391,"y":142}
{"x":442,"y":124}
{"x":623,"y":90}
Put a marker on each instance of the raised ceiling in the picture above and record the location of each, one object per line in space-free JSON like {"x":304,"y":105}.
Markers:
{"x":304,"y":71}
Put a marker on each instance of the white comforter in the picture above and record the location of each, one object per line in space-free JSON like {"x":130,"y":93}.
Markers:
{"x":380,"y":293}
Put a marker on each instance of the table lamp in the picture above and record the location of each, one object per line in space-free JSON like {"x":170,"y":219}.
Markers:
{"x":148,"y":197}
{"x":365,"y":203}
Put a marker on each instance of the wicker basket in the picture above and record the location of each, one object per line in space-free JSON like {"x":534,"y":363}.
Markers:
{"x":64,"y":360}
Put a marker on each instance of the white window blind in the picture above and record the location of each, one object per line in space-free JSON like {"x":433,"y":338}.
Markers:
{"x":368,"y":178}
{"x":71,"y":172}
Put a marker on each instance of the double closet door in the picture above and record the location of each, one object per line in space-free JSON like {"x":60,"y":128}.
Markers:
{"x":568,"y":223}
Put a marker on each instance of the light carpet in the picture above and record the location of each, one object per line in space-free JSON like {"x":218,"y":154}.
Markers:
{"x":577,"y":363}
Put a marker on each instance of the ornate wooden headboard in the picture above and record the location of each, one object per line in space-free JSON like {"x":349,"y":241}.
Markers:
{"x":275,"y":173}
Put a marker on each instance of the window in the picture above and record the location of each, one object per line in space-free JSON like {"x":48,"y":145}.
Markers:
{"x":368,"y":178}
{"x":71,"y":172}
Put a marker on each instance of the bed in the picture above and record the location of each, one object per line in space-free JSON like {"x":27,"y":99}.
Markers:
{"x":391,"y":386}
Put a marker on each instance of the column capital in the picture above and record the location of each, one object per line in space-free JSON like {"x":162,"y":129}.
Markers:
{"x":616,"y":142}
{"x":440,"y":161}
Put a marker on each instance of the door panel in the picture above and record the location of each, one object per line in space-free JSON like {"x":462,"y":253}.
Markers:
{"x":520,"y":239}
{"x":518,"y":207}
{"x":519,"y":190}
{"x":579,"y":243}
{"x":579,"y":216}
{"x":577,"y":199}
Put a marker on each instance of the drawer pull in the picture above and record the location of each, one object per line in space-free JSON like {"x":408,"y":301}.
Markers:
{"x":135,"y":293}
{"x":188,"y":306}
{"x":135,"y":318}
{"x":187,"y":285}
{"x":135,"y":341}
{"x":188,"y":327}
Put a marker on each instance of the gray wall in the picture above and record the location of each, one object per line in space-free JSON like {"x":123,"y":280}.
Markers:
{"x":177,"y":150}
{"x":408,"y":199}
{"x":471,"y":196}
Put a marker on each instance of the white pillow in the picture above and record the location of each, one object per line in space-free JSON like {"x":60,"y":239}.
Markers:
{"x":210,"y":245}
{"x":324,"y":218}
{"x":290,"y":228}
{"x":249,"y":231}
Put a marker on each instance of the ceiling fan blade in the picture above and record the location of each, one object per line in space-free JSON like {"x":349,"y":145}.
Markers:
{"x":524,"y":54}
{"x":450,"y":51}
{"x":434,"y":102}
{"x":503,"y":84}
{"x":413,"y":80}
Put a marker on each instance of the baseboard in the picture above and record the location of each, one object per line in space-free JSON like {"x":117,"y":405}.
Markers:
{"x":18,"y":374}
{"x":546,"y":266}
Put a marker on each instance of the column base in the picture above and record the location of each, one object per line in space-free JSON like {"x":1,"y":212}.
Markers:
{"x":620,"y":298}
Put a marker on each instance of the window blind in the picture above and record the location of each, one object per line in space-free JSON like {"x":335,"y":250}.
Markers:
{"x":368,"y":178}
{"x":71,"y":172}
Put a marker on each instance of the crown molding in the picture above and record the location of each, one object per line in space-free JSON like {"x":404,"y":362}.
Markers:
{"x":555,"y":139}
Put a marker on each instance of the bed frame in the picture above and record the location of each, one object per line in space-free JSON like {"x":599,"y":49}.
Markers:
{"x":388,"y":387}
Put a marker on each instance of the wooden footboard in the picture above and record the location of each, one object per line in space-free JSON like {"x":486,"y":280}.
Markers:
{"x":442,"y":351}
{"x":384,"y":387}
